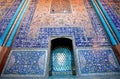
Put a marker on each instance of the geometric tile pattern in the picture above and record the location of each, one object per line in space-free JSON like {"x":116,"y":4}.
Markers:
{"x":8,"y":13}
{"x":99,"y":60}
{"x":112,"y":7}
{"x":61,"y":61}
{"x":26,"y":62}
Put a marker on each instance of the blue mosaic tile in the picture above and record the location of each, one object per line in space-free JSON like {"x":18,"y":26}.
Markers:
{"x":24,"y":28}
{"x":23,"y":62}
{"x":97,"y":61}
{"x":23,"y":41}
{"x":7,"y":17}
{"x":111,"y":8}
{"x":96,"y":24}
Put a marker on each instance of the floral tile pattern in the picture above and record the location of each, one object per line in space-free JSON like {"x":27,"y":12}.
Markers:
{"x":42,"y":40}
{"x":21,"y":62}
{"x":97,"y":61}
{"x":30,"y":36}
{"x":43,"y":17}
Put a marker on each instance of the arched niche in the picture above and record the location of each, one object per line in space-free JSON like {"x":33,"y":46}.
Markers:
{"x":62,"y":57}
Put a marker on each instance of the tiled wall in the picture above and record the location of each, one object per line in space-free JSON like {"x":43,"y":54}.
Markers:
{"x":8,"y":8}
{"x":77,"y":18}
{"x":33,"y":62}
{"x":113,"y":9}
{"x":39,"y":37}
{"x":42,"y":40}
{"x":100,"y":60}
{"x":26,"y":62}
{"x":92,"y":45}
{"x":96,"y":24}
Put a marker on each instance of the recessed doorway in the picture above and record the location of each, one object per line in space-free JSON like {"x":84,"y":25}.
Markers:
{"x":62,"y":57}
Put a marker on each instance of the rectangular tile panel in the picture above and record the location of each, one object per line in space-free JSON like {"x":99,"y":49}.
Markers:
{"x":60,"y":6}
{"x":25,"y":62}
{"x":97,"y":60}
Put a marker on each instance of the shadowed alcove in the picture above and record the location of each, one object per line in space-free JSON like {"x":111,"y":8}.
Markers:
{"x":62,"y":57}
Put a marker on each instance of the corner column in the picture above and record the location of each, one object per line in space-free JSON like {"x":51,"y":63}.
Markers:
{"x":4,"y":52}
{"x":116,"y":50}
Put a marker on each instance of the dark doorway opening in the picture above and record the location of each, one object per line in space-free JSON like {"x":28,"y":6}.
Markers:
{"x":62,"y":57}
